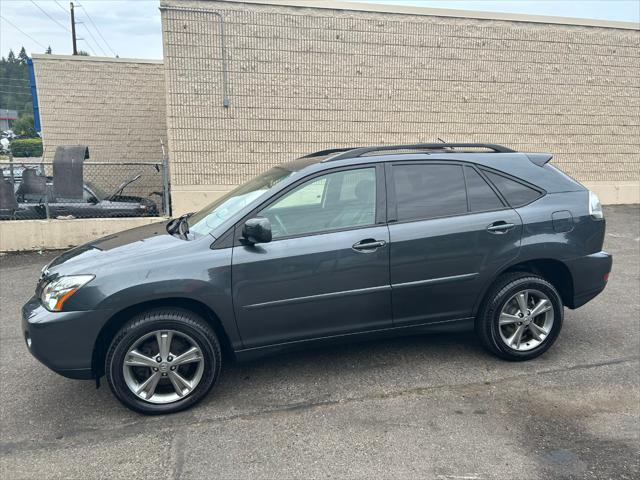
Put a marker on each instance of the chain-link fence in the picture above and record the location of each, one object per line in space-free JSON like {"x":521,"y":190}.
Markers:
{"x":33,"y":189}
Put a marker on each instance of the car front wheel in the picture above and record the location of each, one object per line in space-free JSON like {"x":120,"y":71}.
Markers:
{"x":163,"y":361}
{"x":521,"y":316}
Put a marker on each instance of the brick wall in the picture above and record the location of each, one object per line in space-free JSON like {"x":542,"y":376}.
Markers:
{"x":116,"y":106}
{"x":302,"y":79}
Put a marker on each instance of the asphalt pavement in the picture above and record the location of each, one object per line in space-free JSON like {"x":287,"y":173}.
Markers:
{"x":434,"y":406}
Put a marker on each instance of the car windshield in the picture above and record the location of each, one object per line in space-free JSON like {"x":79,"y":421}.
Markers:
{"x":214,"y":214}
{"x":97,"y":191}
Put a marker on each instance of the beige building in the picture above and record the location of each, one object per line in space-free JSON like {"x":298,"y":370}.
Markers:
{"x":249,"y":84}
{"x":116,"y":106}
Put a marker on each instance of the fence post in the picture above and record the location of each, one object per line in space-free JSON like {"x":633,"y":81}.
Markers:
{"x":46,"y":202}
{"x":13,"y":180}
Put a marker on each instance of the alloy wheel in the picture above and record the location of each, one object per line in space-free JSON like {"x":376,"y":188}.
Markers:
{"x":163,"y":366}
{"x":526,"y":320}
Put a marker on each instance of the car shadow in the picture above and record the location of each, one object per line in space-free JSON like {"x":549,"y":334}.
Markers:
{"x":361,"y":351}
{"x":313,"y":370}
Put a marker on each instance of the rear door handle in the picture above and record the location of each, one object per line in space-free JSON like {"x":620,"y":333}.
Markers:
{"x":500,"y":227}
{"x":368,"y":245}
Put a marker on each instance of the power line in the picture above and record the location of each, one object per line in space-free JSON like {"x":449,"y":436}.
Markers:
{"x":64,"y":9}
{"x":97,"y":30}
{"x":53,"y":19}
{"x":94,"y":40}
{"x":88,"y":46}
{"x":22,"y":32}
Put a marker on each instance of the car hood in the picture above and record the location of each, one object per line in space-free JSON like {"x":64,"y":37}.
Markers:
{"x":129,"y":247}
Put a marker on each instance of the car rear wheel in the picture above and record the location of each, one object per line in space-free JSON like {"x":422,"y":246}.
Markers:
{"x":521,"y":316}
{"x":163,"y":361}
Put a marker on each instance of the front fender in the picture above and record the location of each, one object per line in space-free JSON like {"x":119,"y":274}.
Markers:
{"x":204,"y":277}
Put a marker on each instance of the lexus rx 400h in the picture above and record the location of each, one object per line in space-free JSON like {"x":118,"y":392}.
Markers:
{"x":341,"y":244}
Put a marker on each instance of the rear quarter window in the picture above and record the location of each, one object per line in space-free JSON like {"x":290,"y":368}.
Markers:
{"x":515,"y":193}
{"x":481,"y":196}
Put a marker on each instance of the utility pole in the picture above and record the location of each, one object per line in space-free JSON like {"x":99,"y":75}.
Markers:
{"x":73,"y":30}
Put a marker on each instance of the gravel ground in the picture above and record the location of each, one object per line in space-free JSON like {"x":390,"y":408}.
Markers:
{"x":420,"y":407}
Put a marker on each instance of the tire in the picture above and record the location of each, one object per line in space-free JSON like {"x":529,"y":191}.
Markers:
{"x":193,"y":355}
{"x":503,"y":301}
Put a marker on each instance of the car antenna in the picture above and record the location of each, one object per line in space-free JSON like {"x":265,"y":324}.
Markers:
{"x":443,"y":141}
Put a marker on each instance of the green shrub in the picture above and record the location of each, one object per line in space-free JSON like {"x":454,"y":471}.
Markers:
{"x":27,"y":147}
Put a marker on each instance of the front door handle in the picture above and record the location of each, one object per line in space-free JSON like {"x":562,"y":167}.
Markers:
{"x":500,"y":227}
{"x":368,"y":245}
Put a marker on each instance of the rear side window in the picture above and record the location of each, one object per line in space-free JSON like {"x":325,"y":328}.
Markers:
{"x":429,"y":191}
{"x":481,"y":195}
{"x":514,"y":192}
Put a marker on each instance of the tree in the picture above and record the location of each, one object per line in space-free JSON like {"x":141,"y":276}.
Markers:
{"x":48,"y":51}
{"x":22,"y":56}
{"x":15,"y":92}
{"x":83,"y":53}
{"x":24,"y":126}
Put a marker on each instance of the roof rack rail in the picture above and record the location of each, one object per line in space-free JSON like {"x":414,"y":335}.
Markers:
{"x":322,"y":153}
{"x":359,"y":152}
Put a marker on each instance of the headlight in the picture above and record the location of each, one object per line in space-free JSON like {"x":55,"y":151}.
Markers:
{"x":595,"y":209}
{"x":58,"y":291}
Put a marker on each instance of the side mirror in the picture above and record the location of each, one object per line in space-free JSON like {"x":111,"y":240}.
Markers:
{"x":257,"y":230}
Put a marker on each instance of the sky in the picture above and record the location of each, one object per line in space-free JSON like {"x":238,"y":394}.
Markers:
{"x":131,"y":28}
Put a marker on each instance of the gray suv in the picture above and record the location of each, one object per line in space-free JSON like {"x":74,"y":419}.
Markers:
{"x":339,"y":245}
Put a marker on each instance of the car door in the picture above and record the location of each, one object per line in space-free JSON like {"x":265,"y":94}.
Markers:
{"x":450,"y":233}
{"x":326,"y":270}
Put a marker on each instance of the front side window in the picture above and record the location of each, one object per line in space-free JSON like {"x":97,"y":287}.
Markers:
{"x":429,"y":191}
{"x":214,"y":214}
{"x":310,"y":194}
{"x":339,"y":200}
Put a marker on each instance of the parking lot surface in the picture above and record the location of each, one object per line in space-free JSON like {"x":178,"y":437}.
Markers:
{"x":419,"y":407}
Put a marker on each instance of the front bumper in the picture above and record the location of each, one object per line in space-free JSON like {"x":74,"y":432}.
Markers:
{"x":63,"y":341}
{"x":590,"y":274}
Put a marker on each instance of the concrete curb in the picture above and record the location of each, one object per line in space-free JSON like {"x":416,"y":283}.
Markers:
{"x":30,"y":235}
